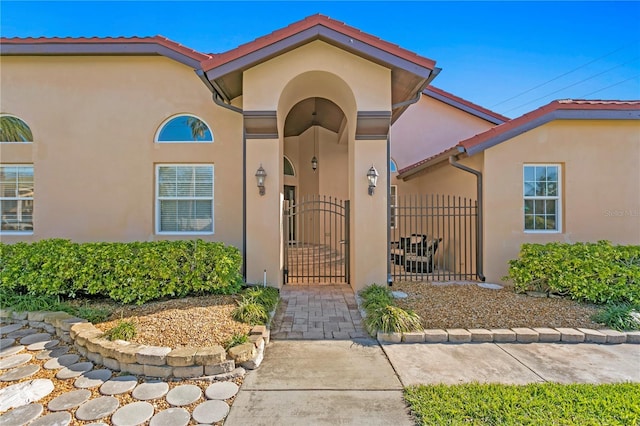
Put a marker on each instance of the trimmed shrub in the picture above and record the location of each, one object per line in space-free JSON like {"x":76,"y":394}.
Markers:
{"x":134,"y":272}
{"x":595,"y":272}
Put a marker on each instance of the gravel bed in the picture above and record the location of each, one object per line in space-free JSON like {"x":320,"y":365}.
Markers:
{"x":188,"y":322}
{"x":471,"y":306}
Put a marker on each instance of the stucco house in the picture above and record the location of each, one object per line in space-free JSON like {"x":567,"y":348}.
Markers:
{"x":317,"y":150}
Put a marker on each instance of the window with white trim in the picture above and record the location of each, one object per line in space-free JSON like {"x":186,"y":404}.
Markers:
{"x":542,"y":197}
{"x":16,"y":198}
{"x":184,"y":129}
{"x":393,"y":202}
{"x":184,"y":198}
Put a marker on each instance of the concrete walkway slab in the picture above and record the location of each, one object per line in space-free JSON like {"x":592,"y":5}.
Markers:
{"x":328,"y":364}
{"x":454,"y":364}
{"x":580,"y":363}
{"x":314,"y":407}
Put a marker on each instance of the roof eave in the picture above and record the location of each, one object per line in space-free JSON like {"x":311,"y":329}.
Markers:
{"x":411,"y":172}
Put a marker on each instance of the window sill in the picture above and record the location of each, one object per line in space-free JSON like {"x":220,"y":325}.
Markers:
{"x":3,"y":233}
{"x":186,"y":233}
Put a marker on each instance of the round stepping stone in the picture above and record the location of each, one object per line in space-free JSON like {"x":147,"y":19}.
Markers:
{"x":14,"y":361}
{"x":35,"y":338}
{"x":52,"y":353}
{"x":21,"y":415}
{"x":10,"y":328}
{"x":61,"y":362}
{"x":93,"y":378}
{"x":74,"y":370}
{"x":118,"y":385}
{"x":47,"y":344}
{"x":183,"y":395}
{"x":132,"y":414}
{"x":221,"y":390}
{"x":11,"y":351}
{"x":5,"y":343}
{"x":171,"y":417}
{"x":399,"y":295}
{"x":97,"y":424}
{"x":53,"y":419}
{"x":150,"y":390}
{"x":97,"y":408}
{"x":69,"y":400}
{"x":210,"y":411}
{"x":19,"y":373}
{"x":24,"y":393}
{"x":21,"y":333}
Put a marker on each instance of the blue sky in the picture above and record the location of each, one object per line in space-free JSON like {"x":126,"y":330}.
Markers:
{"x":511,"y":57}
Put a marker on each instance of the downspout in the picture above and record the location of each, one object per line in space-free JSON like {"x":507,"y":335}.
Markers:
{"x":217,"y":99}
{"x":453,"y":160}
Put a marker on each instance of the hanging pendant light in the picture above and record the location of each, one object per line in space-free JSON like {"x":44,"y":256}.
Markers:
{"x":314,"y":159}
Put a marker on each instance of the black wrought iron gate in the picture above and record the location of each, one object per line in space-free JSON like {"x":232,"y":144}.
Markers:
{"x":316,"y":235}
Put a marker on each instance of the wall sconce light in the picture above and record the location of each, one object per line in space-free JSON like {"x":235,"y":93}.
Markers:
{"x":372,"y":175}
{"x":261,"y":175}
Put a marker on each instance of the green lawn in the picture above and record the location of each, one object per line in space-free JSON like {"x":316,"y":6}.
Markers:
{"x":534,"y":404}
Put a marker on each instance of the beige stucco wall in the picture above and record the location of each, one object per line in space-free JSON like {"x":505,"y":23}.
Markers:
{"x":429,"y":127}
{"x":94,"y":120}
{"x":600,"y":181}
{"x":354,"y":84}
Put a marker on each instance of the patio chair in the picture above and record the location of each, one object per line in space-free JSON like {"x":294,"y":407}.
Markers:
{"x":415,"y":252}
{"x":423,"y":262}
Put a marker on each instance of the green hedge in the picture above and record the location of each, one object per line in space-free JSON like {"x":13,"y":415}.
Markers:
{"x":126,"y":272}
{"x":595,"y":272}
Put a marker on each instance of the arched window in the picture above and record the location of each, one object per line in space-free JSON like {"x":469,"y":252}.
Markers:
{"x":393,"y":167}
{"x":184,"y":129}
{"x":13,"y":129}
{"x":288,"y":168}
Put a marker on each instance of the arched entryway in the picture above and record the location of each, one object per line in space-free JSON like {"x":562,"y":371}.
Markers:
{"x":316,"y":208}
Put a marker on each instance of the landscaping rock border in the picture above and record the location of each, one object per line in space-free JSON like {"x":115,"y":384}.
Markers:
{"x":150,"y":361}
{"x":513,"y":335}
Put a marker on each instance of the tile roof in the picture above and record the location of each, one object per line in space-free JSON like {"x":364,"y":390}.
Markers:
{"x":629,"y":109}
{"x":310,"y":22}
{"x":475,"y":107}
{"x":158,"y":39}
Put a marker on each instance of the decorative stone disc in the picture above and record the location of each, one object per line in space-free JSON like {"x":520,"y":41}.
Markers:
{"x":150,"y":390}
{"x":74,"y":370}
{"x":69,"y":400}
{"x":10,"y":328}
{"x":210,"y":411}
{"x":35,"y":338}
{"x":221,"y":390}
{"x":24,"y":393}
{"x":47,"y":344}
{"x":132,"y":414}
{"x":490,"y":286}
{"x":21,"y":333}
{"x":93,"y":378}
{"x":11,"y":351}
{"x":14,"y":361}
{"x":171,"y":417}
{"x":5,"y":343}
{"x":184,"y":395}
{"x":52,"y":353}
{"x":97,"y":408}
{"x":61,"y":362}
{"x":20,"y":373}
{"x":53,"y":419}
{"x":21,"y":415}
{"x":118,"y":385}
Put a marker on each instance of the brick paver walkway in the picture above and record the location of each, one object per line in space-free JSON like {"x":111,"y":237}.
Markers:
{"x":317,"y":312}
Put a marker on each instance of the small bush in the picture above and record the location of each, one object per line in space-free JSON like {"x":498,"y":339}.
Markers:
{"x":621,"y":317}
{"x":134,"y":272}
{"x":125,"y":330}
{"x":235,"y":340}
{"x":595,"y":272}
{"x":391,"y":319}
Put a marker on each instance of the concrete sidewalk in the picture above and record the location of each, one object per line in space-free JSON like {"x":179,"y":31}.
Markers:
{"x":324,"y":382}
{"x":359,"y":382}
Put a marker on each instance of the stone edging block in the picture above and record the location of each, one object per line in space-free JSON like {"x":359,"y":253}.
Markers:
{"x":517,"y":334}
{"x":151,"y":361}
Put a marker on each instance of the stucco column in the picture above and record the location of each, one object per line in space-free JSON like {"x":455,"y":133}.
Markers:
{"x":263,"y":212}
{"x":368,"y":222}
